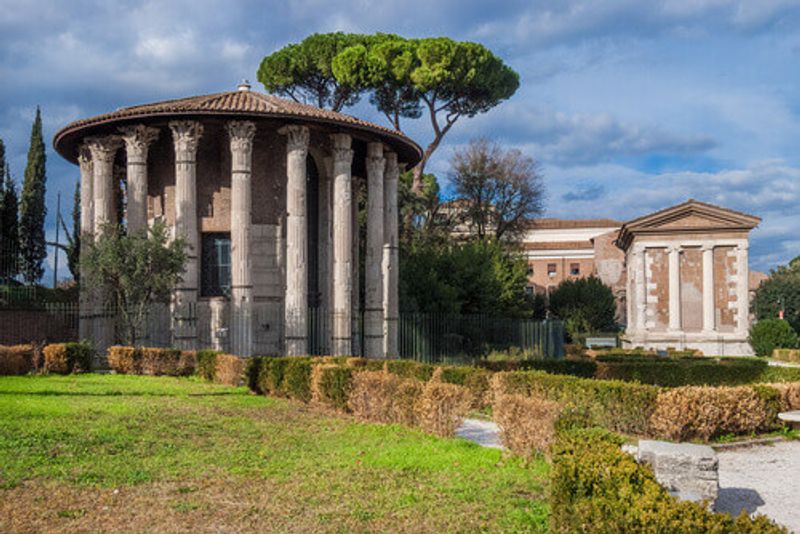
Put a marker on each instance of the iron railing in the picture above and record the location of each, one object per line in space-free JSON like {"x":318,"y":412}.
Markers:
{"x":427,"y":337}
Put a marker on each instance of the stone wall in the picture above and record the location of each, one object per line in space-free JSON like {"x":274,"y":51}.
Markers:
{"x":725,"y":276}
{"x":691,"y":292}
{"x":657,"y":269}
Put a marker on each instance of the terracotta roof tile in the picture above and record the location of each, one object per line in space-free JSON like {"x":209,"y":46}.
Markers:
{"x":234,"y":102}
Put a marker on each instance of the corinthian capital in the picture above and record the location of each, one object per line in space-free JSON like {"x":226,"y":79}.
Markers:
{"x":103,"y":149}
{"x":137,"y":140}
{"x":341,"y":148}
{"x":85,"y":159}
{"x":186,"y":135}
{"x":296,"y":137}
{"x":241,"y":134}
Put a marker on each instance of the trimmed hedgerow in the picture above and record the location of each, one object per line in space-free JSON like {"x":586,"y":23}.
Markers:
{"x":675,"y":372}
{"x":441,"y":407}
{"x":331,"y":384}
{"x":297,"y":379}
{"x":252,"y":373}
{"x":596,"y":487}
{"x":699,"y":412}
{"x":16,"y":359}
{"x":229,"y":369}
{"x":787,"y":355}
{"x":527,"y":423}
{"x":66,"y":358}
{"x":124,"y":360}
{"x":618,"y":406}
{"x":207,"y":364}
{"x":583,"y":368}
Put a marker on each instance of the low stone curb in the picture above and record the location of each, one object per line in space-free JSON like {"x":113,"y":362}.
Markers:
{"x":747,"y":443}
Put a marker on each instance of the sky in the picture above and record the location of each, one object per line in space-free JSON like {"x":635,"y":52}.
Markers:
{"x":628,"y":106}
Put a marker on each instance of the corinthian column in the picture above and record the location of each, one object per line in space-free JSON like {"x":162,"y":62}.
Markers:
{"x":185,"y":137}
{"x":86,"y":320}
{"x":296,"y":235}
{"x":103,"y":151}
{"x":390,"y":256}
{"x":241,"y":135}
{"x":373,"y":283}
{"x":137,"y":141}
{"x":342,"y":245}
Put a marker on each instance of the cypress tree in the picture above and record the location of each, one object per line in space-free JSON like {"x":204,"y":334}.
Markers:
{"x":9,"y":226}
{"x":73,"y":247}
{"x":32,"y":209}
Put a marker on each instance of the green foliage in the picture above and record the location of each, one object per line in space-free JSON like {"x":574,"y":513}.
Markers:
{"x":334,"y":385}
{"x":252,"y":372}
{"x":135,"y":271}
{"x":32,"y":208}
{"x":781,"y":291}
{"x":207,"y":364}
{"x":73,"y":246}
{"x":9,"y":224}
{"x":675,"y":372}
{"x":297,"y":379}
{"x":449,"y":79}
{"x":770,"y":334}
{"x":594,"y":483}
{"x":478,"y":277}
{"x":580,"y":368}
{"x":304,"y":71}
{"x":585,"y":305}
{"x":612,"y":404}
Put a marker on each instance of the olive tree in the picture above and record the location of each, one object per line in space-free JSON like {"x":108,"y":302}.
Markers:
{"x":135,"y":271}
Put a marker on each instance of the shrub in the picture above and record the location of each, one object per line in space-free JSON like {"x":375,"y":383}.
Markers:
{"x":297,"y":379}
{"x":584,"y":368}
{"x":617,"y":406}
{"x":253,"y":374}
{"x":787,"y":355}
{"x":207,"y":364}
{"x":270,"y":378}
{"x":65,"y":358}
{"x":373,"y":395}
{"x":678,"y":372}
{"x":789,"y":395}
{"x":596,"y":487}
{"x":527,"y":424}
{"x":330,"y":384}
{"x":125,"y":360}
{"x":229,"y":369}
{"x":585,"y":305}
{"x":404,"y":407}
{"x":160,"y":362}
{"x":409,"y":369}
{"x":770,"y":334}
{"x":441,"y":407}
{"x":694,"y":412}
{"x":16,"y":359}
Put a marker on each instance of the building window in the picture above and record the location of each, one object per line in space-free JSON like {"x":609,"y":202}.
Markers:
{"x":574,"y":269}
{"x":551,"y":269}
{"x":530,"y":270}
{"x":216,"y":265}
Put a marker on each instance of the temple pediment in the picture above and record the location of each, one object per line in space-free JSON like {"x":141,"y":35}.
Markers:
{"x":689,"y":217}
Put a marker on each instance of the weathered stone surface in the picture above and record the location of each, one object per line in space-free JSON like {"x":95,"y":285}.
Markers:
{"x":686,"y":470}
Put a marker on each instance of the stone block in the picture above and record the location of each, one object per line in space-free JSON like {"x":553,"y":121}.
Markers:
{"x":688,"y":471}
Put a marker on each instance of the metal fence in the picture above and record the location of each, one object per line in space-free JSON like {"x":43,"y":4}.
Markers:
{"x":429,"y":338}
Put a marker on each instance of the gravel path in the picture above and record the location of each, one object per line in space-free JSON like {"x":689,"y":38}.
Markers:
{"x":762,"y":479}
{"x":484,"y":433}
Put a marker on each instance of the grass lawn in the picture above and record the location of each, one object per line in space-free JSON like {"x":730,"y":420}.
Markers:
{"x":107,"y":453}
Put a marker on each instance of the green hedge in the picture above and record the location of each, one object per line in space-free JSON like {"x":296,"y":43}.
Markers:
{"x":695,"y":371}
{"x":581,"y":368}
{"x":207,"y":364}
{"x":596,"y":487}
{"x":335,"y":384}
{"x":619,"y":406}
